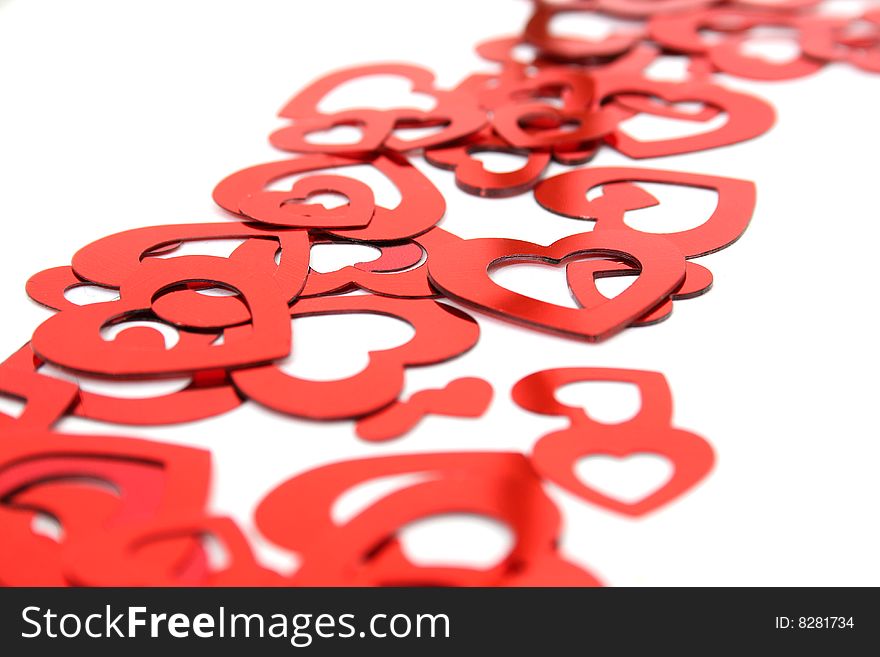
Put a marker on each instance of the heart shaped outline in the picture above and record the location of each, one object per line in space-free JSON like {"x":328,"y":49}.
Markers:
{"x":460,"y":269}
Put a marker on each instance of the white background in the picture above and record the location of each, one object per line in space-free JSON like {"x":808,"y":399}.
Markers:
{"x":120,"y":114}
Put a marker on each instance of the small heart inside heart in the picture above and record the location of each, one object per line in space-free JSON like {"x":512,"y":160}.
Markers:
{"x":538,"y":280}
{"x":629,"y":479}
{"x":385,"y":191}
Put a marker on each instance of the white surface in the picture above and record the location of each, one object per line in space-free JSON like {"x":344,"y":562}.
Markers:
{"x":117,"y":115}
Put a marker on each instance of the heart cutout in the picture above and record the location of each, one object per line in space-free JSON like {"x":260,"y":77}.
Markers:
{"x":747,"y":116}
{"x":289,"y":208}
{"x":460,"y":268}
{"x":421,"y":205}
{"x":472,"y":176}
{"x":629,"y":479}
{"x":557,"y":454}
{"x":566,"y":194}
{"x":559,"y":127}
{"x":457,"y":118}
{"x":375,"y":127}
{"x":582,"y":277}
{"x":399,"y":271}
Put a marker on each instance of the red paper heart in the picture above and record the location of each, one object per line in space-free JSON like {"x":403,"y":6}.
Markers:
{"x":460,"y":268}
{"x":566,"y":194}
{"x":442,"y":333}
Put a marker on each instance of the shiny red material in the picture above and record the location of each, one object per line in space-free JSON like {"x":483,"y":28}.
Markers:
{"x":747,"y":116}
{"x":88,"y":484}
{"x":365,"y":550}
{"x":401,"y":271}
{"x":650,"y":431}
{"x":441,"y":333}
{"x":684,"y":32}
{"x":278,"y":208}
{"x":473,"y":177}
{"x":139,"y":352}
{"x":421,"y":205}
{"x":461,"y":270}
{"x":45,"y":400}
{"x":582,"y":277}
{"x":457,"y":117}
{"x":537,"y":32}
{"x":566,"y":194}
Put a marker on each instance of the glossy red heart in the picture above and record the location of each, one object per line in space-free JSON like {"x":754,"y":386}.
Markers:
{"x":460,"y":268}
{"x":566,"y":194}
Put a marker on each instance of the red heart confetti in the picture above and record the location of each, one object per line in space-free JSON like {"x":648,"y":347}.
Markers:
{"x":135,"y":512}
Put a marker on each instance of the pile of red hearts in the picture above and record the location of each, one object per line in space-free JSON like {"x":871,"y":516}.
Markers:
{"x":133,"y":512}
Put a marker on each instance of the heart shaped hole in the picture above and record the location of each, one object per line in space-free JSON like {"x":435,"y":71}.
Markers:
{"x":679,"y":208}
{"x":385,"y":192}
{"x":543,"y":281}
{"x":629,"y":479}
{"x":611,"y":402}
{"x":536,"y":123}
{"x":648,"y":127}
{"x":331,"y":347}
